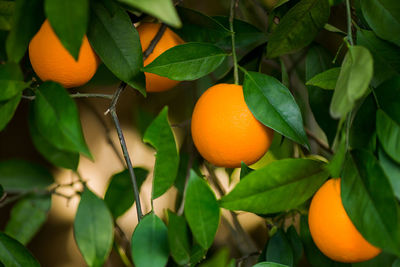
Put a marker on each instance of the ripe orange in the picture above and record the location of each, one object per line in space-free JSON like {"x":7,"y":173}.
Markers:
{"x":52,"y":62}
{"x":225,"y":131}
{"x":332,"y":230}
{"x":147,"y":32}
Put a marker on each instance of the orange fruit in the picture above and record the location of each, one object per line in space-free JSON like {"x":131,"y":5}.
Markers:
{"x":147,"y":32}
{"x":224,"y":130}
{"x":332,"y":230}
{"x":52,"y":62}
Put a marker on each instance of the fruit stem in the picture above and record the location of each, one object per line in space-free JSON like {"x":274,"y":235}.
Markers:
{"x":112,"y":111}
{"x":349,"y":32}
{"x":234,"y":4}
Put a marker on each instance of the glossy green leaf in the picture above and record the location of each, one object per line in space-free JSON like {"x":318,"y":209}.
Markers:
{"x":201,"y":210}
{"x":119,"y":196}
{"x":7,"y":110}
{"x":27,"y":216}
{"x":318,"y":60}
{"x":197,"y":254}
{"x":295,"y":243}
{"x":298,"y":27}
{"x":218,"y":259}
{"x":354,"y":78}
{"x":269,"y":264}
{"x":244,"y":170}
{"x":188,"y":61}
{"x":388,"y":95}
{"x":247,"y":36}
{"x":150,"y":242}
{"x":93,"y":229}
{"x":326,"y":79}
{"x":21,"y":176}
{"x":388,"y":131}
{"x":297,"y":178}
{"x":6,"y":15}
{"x":160,"y":136}
{"x":198,"y":27}
{"x":279,"y":249}
{"x":11,"y":81}
{"x":178,"y":238}
{"x":57,"y":157}
{"x":362,"y":131}
{"x":392,"y":171}
{"x":313,"y":254}
{"x":335,"y":165}
{"x":123,"y":56}
{"x":273,"y":105}
{"x":369,"y":201}
{"x":386,"y":55}
{"x":13,"y":253}
{"x":161,"y":9}
{"x":27,"y":19}
{"x":383,"y":16}
{"x":69,"y":20}
{"x":57,"y":119}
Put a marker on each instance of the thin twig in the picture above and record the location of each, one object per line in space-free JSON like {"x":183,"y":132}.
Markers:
{"x":125,"y":242}
{"x":77,"y":95}
{"x":349,"y":30}
{"x":319,"y":141}
{"x":234,"y":4}
{"x":154,"y":42}
{"x":113,"y":113}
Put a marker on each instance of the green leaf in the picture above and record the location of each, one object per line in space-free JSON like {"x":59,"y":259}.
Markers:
{"x":335,"y":165}
{"x":298,"y":27}
{"x":247,"y":36}
{"x":27,"y":216}
{"x":201,"y":211}
{"x":21,"y":176}
{"x":197,"y":254}
{"x":392,"y":171}
{"x":93,"y":229}
{"x":354,"y":78}
{"x":119,"y":196}
{"x":386,"y":55}
{"x":188,"y":61}
{"x":265,"y":190}
{"x":325,"y":80}
{"x":362,"y":131}
{"x":198,"y":27}
{"x":13,"y":253}
{"x":57,"y":157}
{"x":295,"y":242}
{"x":388,"y":131}
{"x":11,"y":81}
{"x":273,"y":105}
{"x":383,"y":16}
{"x":160,"y":136}
{"x":369,"y":201}
{"x":178,"y":238}
{"x":279,"y":249}
{"x":269,"y":264}
{"x":27,"y":19}
{"x":244,"y":170}
{"x":383,"y":259}
{"x":123,"y":56}
{"x":6,"y":15}
{"x":218,"y":259}
{"x":7,"y":110}
{"x":69,"y":20}
{"x":317,"y":61}
{"x":150,"y":242}
{"x":388,"y":95}
{"x":161,"y":9}
{"x":57,"y":119}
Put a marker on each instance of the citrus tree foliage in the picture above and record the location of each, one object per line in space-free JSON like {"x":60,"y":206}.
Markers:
{"x":324,"y":75}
